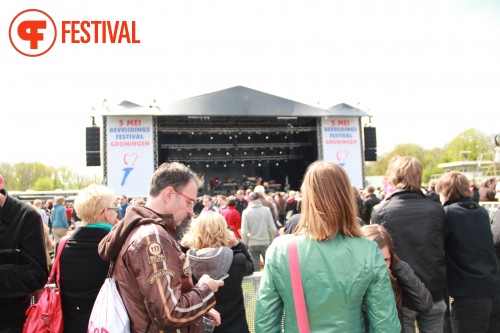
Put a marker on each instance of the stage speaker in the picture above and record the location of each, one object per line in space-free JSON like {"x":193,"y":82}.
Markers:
{"x":93,"y":145}
{"x":370,"y":135}
{"x":371,"y":155}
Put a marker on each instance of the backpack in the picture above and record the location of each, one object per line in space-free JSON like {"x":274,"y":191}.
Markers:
{"x":46,"y":315}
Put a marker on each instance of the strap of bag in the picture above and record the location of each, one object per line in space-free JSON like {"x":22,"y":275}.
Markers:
{"x":298,"y":292}
{"x":55,"y":266}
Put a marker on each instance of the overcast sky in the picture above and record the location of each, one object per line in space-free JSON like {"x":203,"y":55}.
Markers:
{"x":425,"y":70}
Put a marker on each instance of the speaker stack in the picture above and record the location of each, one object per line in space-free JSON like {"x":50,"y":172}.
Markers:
{"x":370,"y":135}
{"x":93,"y":150}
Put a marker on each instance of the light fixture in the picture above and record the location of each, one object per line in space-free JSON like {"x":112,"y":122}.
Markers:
{"x":207,"y":165}
{"x":227,"y":153}
{"x":245,"y":153}
{"x":242,"y":164}
{"x":249,"y":138}
{"x":224,"y":165}
{"x":209,"y":153}
{"x":260,"y":164}
{"x":262,"y":152}
{"x":277,"y":164}
{"x":211,"y":138}
{"x":267,"y":137}
{"x":281,"y":152}
{"x":230,"y":137}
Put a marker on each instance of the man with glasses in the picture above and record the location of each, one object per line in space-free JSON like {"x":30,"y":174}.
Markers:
{"x":152,"y":274}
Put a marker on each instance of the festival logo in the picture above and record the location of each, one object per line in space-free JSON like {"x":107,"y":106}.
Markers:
{"x":129,"y":159}
{"x":342,"y":156}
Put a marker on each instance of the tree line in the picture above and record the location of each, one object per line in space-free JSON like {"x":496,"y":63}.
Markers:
{"x":40,"y":177}
{"x":472,"y":140}
{"x":37,"y":176}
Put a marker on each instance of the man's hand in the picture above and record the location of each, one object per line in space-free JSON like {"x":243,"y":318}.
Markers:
{"x":213,"y":284}
{"x":215,"y":316}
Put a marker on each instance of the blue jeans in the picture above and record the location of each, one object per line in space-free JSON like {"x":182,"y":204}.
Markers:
{"x":475,"y":315}
{"x":431,"y":322}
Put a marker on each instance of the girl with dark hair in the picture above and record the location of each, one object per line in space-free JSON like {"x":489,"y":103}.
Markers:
{"x":408,"y":289}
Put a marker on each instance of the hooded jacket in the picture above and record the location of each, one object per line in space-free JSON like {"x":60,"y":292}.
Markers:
{"x":257,"y":226}
{"x":470,"y":255}
{"x":153,"y":275}
{"x":230,"y":302}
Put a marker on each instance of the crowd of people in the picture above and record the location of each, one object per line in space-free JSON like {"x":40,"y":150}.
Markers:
{"x":375,"y":259}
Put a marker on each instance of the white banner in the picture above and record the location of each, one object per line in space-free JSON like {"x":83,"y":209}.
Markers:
{"x":342,"y":145}
{"x":130,"y":154}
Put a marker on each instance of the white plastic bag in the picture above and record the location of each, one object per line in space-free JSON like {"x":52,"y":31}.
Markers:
{"x":109,"y":314}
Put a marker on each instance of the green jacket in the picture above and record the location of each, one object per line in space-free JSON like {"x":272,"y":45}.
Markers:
{"x":336,"y":275}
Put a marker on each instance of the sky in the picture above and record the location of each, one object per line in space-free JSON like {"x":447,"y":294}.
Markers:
{"x":425,"y":70}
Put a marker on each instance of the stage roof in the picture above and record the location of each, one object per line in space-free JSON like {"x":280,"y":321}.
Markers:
{"x":236,"y":101}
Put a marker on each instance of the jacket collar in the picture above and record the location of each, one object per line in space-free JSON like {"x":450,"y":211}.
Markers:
{"x":406,"y":193}
{"x":136,"y":216}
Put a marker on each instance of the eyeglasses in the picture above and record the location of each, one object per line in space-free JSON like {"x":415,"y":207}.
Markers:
{"x":191,"y":201}
{"x":111,"y":208}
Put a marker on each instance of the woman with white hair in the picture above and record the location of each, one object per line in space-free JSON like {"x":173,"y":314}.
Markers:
{"x":82,"y":270}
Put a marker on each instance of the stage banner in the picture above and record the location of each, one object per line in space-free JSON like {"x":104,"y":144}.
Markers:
{"x":342,"y":144}
{"x":130,"y":154}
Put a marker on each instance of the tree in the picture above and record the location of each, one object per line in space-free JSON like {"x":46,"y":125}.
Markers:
{"x":9,"y":176}
{"x":44,"y":184}
{"x":379,"y":168}
{"x":472,"y":141}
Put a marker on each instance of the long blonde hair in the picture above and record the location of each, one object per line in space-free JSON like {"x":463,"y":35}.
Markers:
{"x":328,"y":205}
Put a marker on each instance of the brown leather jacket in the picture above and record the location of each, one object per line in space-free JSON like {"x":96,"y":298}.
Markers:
{"x":153,"y":275}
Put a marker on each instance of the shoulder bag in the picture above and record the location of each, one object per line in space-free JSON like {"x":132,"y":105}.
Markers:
{"x":46,"y":315}
{"x":298,"y":292}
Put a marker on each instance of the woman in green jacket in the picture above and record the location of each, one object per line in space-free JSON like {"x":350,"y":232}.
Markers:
{"x":339,"y":267}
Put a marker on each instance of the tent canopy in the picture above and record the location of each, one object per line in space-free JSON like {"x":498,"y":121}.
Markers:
{"x":237,"y":101}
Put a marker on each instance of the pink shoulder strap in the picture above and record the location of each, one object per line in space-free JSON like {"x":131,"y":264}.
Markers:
{"x":55,"y":266}
{"x":298,"y":292}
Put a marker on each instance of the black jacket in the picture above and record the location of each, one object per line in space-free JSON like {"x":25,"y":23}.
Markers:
{"x":414,"y":294}
{"x":230,"y":300}
{"x":24,"y":271}
{"x":241,"y":205}
{"x":416,"y":225}
{"x":470,"y":256}
{"x":495,"y":229}
{"x":416,"y":297}
{"x":370,"y":201}
{"x":82,"y":274}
